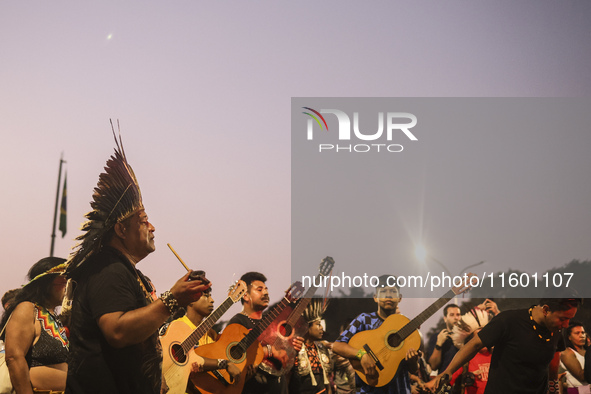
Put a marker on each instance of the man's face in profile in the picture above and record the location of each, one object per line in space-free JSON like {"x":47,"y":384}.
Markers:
{"x":139,"y":235}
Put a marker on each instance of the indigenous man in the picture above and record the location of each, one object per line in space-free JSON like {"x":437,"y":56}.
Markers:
{"x":525,"y":343}
{"x":310,"y":374}
{"x":254,"y":302}
{"x":115,"y":312}
{"x":441,"y":349}
{"x":196,"y":312}
{"x":387,"y":299}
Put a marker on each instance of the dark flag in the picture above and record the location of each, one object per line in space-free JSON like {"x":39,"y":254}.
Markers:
{"x":63,"y":227}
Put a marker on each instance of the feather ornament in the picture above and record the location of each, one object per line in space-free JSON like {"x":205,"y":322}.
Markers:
{"x":116,"y":197}
{"x":470,"y":322}
{"x":315,"y":310}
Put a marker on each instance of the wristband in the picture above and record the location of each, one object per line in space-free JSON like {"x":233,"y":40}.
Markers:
{"x":360,"y":354}
{"x":437,"y":347}
{"x":553,"y":386}
{"x":169,"y":301}
{"x":222,"y":364}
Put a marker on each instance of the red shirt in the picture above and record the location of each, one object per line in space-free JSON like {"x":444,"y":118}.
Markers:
{"x":479,"y":366}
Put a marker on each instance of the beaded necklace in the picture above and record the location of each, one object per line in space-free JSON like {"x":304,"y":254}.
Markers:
{"x":253,"y":321}
{"x":52,"y":325}
{"x":535,"y":326}
{"x":150,"y":294}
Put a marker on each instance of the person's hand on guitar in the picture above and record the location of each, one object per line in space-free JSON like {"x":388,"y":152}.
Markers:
{"x":251,"y":370}
{"x":297,"y":343}
{"x":435,"y":384}
{"x":369,"y":369}
{"x":207,"y":365}
{"x":412,"y":359}
{"x":234,"y":372}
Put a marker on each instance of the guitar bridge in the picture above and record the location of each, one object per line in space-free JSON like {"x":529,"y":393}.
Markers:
{"x":372,"y":355}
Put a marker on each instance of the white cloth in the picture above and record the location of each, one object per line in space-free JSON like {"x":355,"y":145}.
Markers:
{"x":571,"y":381}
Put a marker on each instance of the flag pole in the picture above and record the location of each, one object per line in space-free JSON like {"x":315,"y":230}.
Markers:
{"x":57,"y":196}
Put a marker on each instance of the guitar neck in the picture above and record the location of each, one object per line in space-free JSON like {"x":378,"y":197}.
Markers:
{"x":414,"y":324}
{"x":263,"y":324}
{"x":206,"y":325}
{"x":299,"y":309}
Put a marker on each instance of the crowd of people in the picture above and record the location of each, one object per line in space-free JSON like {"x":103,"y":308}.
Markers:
{"x":109,"y":336}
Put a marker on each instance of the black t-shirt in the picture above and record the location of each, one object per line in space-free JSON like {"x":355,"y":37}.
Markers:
{"x":520,"y":358}
{"x":107,"y":283}
{"x":242,"y":320}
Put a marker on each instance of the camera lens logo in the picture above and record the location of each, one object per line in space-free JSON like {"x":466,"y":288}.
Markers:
{"x":393,"y":125}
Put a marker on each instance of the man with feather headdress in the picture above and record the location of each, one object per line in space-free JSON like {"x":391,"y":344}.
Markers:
{"x":115,"y":313}
{"x":310,"y":374}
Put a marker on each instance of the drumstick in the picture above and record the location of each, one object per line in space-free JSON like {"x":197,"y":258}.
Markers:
{"x":178,"y":257}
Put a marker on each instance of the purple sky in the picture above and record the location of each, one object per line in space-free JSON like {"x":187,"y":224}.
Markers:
{"x":203,"y":90}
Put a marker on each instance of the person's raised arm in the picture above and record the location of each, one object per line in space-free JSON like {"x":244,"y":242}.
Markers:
{"x":435,"y":358}
{"x":123,"y":329}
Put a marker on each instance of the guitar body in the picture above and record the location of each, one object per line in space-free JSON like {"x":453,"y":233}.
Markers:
{"x":179,"y":340}
{"x":387,"y":346}
{"x":225,"y":348}
{"x":279,"y":334}
{"x":176,"y":370}
{"x":287,"y":325}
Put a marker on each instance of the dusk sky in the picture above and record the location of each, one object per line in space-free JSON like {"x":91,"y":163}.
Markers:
{"x":203,"y":92}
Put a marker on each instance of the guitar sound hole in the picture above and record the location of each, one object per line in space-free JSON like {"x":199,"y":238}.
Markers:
{"x":394,"y":340}
{"x":178,"y":354}
{"x":236,"y":352}
{"x":285,"y":330}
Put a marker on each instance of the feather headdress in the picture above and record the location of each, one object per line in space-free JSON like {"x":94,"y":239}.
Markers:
{"x":315,"y":310}
{"x":116,"y":197}
{"x":470,"y":322}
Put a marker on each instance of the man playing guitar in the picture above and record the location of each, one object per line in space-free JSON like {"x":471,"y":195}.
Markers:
{"x":196,"y":312}
{"x":254,"y":302}
{"x":387,"y":299}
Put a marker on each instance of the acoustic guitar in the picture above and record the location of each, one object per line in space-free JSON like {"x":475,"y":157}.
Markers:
{"x":388,"y":344}
{"x":179,"y":341}
{"x":290,"y":324}
{"x":240,"y":346}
